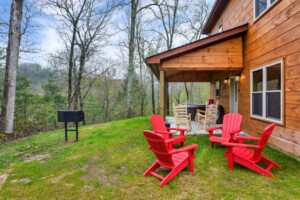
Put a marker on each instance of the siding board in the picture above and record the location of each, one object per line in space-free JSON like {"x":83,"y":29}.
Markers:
{"x":273,"y":37}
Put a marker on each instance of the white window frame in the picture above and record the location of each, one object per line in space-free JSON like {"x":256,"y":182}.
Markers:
{"x":264,"y":91}
{"x":268,"y":6}
{"x":220,"y":27}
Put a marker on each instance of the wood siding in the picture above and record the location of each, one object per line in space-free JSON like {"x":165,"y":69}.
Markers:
{"x":222,"y":56}
{"x":274,"y":36}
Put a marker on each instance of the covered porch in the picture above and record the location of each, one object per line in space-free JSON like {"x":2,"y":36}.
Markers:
{"x":215,"y":58}
{"x":194,"y":130}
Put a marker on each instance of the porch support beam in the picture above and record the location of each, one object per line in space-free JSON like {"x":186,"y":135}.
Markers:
{"x":162,"y":94}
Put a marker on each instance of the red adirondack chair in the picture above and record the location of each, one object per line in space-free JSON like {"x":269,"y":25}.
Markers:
{"x":174,"y":159}
{"x":231,"y":126}
{"x":241,"y":154}
{"x":159,"y":126}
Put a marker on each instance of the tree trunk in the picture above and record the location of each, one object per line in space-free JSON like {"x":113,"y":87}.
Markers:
{"x":81,"y":104}
{"x":191,"y":93}
{"x":187,"y":92}
{"x":152,"y":94}
{"x":71,"y":64}
{"x":79,"y":78}
{"x":131,"y":59}
{"x":12,"y":54}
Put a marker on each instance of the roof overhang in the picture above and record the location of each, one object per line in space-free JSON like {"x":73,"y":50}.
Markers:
{"x":215,"y":13}
{"x":207,"y":48}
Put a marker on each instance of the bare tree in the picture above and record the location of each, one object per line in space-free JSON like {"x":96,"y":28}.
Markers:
{"x":168,"y":16}
{"x":92,"y":35}
{"x":135,"y":9}
{"x":195,"y":14}
{"x":147,"y":44}
{"x":69,"y":13}
{"x":12,"y":54}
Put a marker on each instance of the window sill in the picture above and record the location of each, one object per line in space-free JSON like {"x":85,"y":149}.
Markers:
{"x":267,"y":120}
{"x":265,"y":12}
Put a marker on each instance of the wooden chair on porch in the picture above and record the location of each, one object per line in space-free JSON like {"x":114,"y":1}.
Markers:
{"x":182,"y":117}
{"x":207,"y":117}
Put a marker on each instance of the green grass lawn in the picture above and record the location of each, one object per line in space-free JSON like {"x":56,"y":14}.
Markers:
{"x":109,"y":161}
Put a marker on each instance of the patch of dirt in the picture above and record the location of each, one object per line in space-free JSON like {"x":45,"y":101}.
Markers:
{"x":95,"y":157}
{"x":30,"y":158}
{"x":21,"y":154}
{"x":87,"y":188}
{"x":61,"y":177}
{"x":99,"y":174}
{"x":23,"y":180}
{"x":69,"y":185}
{"x":74,"y":157}
{"x":124,"y":169}
{"x":88,"y":128}
{"x":3,"y":177}
{"x":162,"y":169}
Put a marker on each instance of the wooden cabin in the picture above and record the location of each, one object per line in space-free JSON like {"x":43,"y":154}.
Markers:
{"x":252,"y":57}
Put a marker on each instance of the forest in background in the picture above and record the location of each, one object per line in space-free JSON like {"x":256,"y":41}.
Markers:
{"x":83,"y":75}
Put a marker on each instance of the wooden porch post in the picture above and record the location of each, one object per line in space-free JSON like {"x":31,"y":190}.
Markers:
{"x":162,"y":94}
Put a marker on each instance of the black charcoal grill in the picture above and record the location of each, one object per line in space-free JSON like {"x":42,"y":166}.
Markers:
{"x":70,"y":116}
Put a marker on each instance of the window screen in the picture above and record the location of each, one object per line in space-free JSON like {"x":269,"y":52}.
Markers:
{"x":260,"y":6}
{"x":257,"y":104}
{"x":274,"y":77}
{"x":273,"y":105}
{"x":257,"y":80}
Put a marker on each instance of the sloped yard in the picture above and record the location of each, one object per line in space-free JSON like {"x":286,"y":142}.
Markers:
{"x":109,"y":160}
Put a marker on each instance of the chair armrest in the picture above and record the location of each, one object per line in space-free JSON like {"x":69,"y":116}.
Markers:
{"x":214,"y":128}
{"x":177,"y":129}
{"x":230,"y":144}
{"x":182,"y":130}
{"x":189,"y":116}
{"x":182,"y":149}
{"x":164,"y":132}
{"x":203,"y":111}
{"x":235,"y":131}
{"x":211,"y":130}
{"x":246,"y":138}
{"x":176,"y":140}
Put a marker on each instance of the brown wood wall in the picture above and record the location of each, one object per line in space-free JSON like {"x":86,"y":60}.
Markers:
{"x":222,"y":56}
{"x":272,"y":37}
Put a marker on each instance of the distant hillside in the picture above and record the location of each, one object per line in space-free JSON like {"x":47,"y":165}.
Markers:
{"x":35,"y":74}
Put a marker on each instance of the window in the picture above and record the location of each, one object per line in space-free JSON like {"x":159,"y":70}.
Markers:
{"x":266,"y":92}
{"x":220,"y":28}
{"x":261,"y":5}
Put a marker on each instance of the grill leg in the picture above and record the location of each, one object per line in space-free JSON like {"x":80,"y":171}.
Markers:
{"x":66,"y":131}
{"x":76,"y":131}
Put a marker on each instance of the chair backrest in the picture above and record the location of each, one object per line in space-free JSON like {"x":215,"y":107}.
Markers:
{"x":180,"y":113}
{"x":263,"y":140}
{"x":231,"y":122}
{"x":158,"y":124}
{"x":211,"y":112}
{"x":159,"y":147}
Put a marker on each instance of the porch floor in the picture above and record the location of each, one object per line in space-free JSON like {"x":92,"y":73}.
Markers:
{"x":195,"y":130}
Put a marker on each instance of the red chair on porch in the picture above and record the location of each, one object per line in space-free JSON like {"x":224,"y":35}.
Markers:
{"x":159,"y":126}
{"x":241,"y":153}
{"x":174,"y":159}
{"x":231,"y":126}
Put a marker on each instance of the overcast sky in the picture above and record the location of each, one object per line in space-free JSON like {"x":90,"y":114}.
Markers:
{"x":48,"y":40}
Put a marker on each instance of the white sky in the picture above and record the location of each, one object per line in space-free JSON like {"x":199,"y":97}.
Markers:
{"x":49,"y":41}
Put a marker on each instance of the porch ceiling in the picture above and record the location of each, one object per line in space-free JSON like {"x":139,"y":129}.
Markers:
{"x":195,"y":61}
